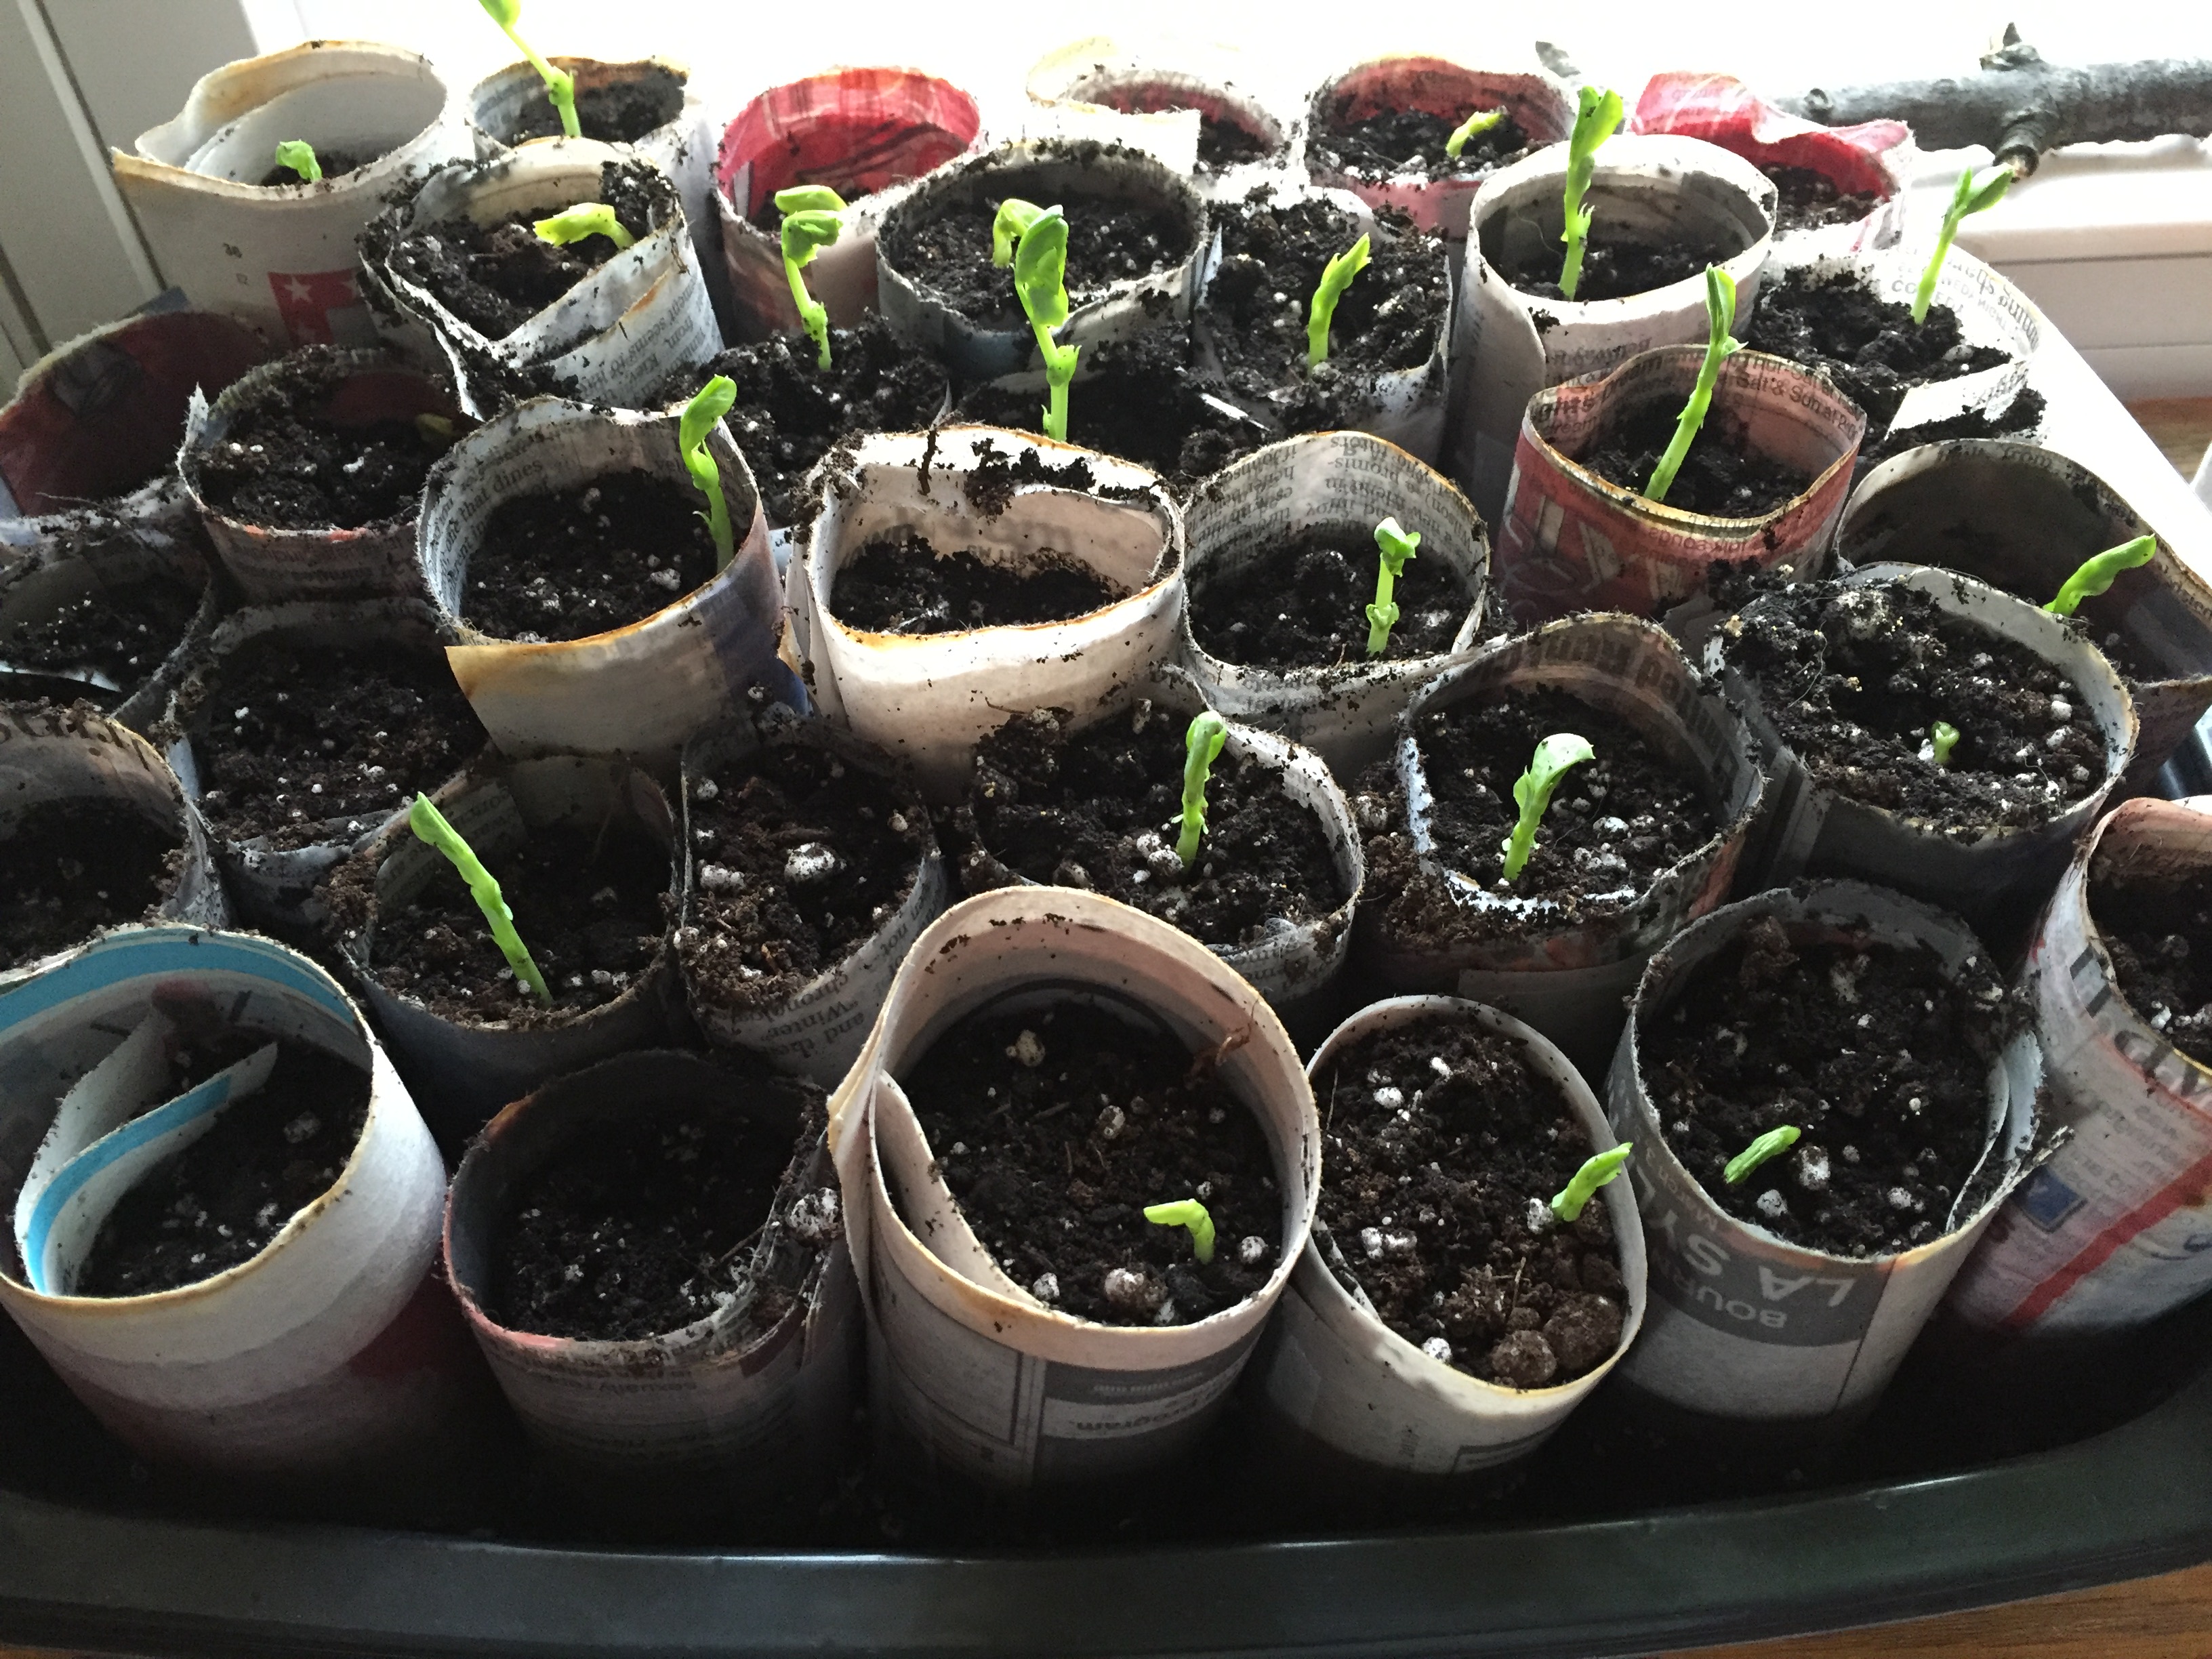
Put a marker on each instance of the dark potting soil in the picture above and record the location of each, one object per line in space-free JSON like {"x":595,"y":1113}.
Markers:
{"x":570,"y":563}
{"x":72,"y":867}
{"x":1411,"y":141}
{"x":1443,"y":1150}
{"x":1102,"y":809}
{"x":1614,"y":824}
{"x":1878,"y":1061}
{"x":1304,"y":605}
{"x":2160,"y":935}
{"x":901,"y":584}
{"x":589,"y":909}
{"x":122,"y":635}
{"x":1853,"y":679}
{"x":335,"y":164}
{"x":1055,"y":1128}
{"x":1721,"y":476}
{"x":1870,"y":346}
{"x":292,"y":740}
{"x":1404,"y":900}
{"x":2023,"y":413}
{"x":1224,"y":145}
{"x":1810,"y":200}
{"x":219,"y":1202}
{"x":1614,"y":266}
{"x":612,"y":111}
{"x":797,"y":858}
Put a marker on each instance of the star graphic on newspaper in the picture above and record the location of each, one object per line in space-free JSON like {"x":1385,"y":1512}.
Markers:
{"x":298,"y":290}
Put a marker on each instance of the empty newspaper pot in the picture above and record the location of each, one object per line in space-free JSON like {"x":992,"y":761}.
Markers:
{"x":1539,"y":104}
{"x":927,"y":700}
{"x":280,"y":257}
{"x":640,"y":690}
{"x":2023,"y":518}
{"x":1102,"y":88}
{"x":1336,"y":1372}
{"x":1508,"y":346}
{"x":1569,"y":978}
{"x":270,"y":564}
{"x":1047,"y":170}
{"x":1571,"y":540}
{"x":155,"y":570}
{"x":1340,"y":483}
{"x":984,"y":1380}
{"x":463,"y":1070}
{"x":332,"y":1348}
{"x":614,"y":336}
{"x":868,"y":134}
{"x":745,"y":1409}
{"x":1744,"y":1328}
{"x":810,"y":1024}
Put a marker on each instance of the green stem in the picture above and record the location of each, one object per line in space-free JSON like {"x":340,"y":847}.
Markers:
{"x":1686,"y":429}
{"x":813,"y":315}
{"x":560,"y":85}
{"x":1924,"y":295}
{"x":1571,"y":273}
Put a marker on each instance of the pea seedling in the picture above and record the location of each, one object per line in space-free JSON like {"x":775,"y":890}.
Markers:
{"x":429,"y":824}
{"x":1532,"y":793}
{"x":1597,"y":115}
{"x":2099,"y":573}
{"x":810,"y":224}
{"x":1186,"y":1212}
{"x":1474,"y":127}
{"x":299,"y":155}
{"x":1942,"y":738}
{"x":1772,"y":1144}
{"x":1972,"y":196}
{"x":714,"y":400}
{"x":1335,"y":276}
{"x":586,"y":219}
{"x":1034,"y":241}
{"x":560,"y":85}
{"x":1575,"y":1195}
{"x":1202,"y":745}
{"x":1397,"y":546}
{"x":1720,"y":346}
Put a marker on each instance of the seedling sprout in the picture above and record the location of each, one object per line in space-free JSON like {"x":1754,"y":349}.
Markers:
{"x":1720,"y":346}
{"x":1335,"y":276}
{"x":1942,"y":738}
{"x":429,"y":824}
{"x":1474,"y":127}
{"x":1772,"y":1144}
{"x":1584,"y":1185}
{"x":1973,"y":194}
{"x":560,"y":85}
{"x":586,"y":219}
{"x":299,"y":155}
{"x":1202,"y":744}
{"x":810,"y":224}
{"x":2099,"y":573}
{"x":1595,"y":117}
{"x":1034,"y":241}
{"x":1533,"y":793}
{"x":1396,"y":546}
{"x":1186,"y":1212}
{"x":713,"y":401}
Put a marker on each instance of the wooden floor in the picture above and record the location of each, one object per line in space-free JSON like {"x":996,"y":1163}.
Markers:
{"x":2180,"y":427}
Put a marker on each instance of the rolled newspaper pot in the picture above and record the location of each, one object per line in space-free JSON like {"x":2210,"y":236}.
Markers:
{"x":1050,"y":170}
{"x":322,"y":1350}
{"x":106,"y":618}
{"x":1509,"y":346}
{"x":280,"y":257}
{"x":1338,"y":1373}
{"x":868,"y":134}
{"x":1743,"y":1326}
{"x":987,"y":1380}
{"x":747,"y":1406}
{"x":1129,"y":95}
{"x":1571,"y":540}
{"x":640,"y":690}
{"x":928,"y":699}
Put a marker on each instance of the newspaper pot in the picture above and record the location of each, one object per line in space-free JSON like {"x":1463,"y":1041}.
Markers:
{"x":2023,"y":517}
{"x":1099,"y":87}
{"x":63,"y":565}
{"x":1508,"y":346}
{"x":325,"y":1350}
{"x":1540,"y":105}
{"x":1807,"y":828}
{"x":270,"y":564}
{"x":614,"y":336}
{"x":1570,"y":980}
{"x":1337,"y":482}
{"x":927,"y":700}
{"x":868,"y":133}
{"x":1572,"y":540}
{"x":1745,"y":1328}
{"x":812,"y":1027}
{"x":1046,"y":171}
{"x":1337,"y":1373}
{"x":990,"y":1383}
{"x":280,"y":256}
{"x":640,"y":690}
{"x":463,"y":1071}
{"x":717,"y":1414}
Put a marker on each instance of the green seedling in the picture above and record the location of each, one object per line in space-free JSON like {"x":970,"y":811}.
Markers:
{"x":433,"y":429}
{"x":1397,"y":546}
{"x":560,"y":85}
{"x":714,"y":400}
{"x":1942,"y":738}
{"x":1575,"y":1195}
{"x":810,"y":224}
{"x":1186,"y":1212}
{"x":299,"y":155}
{"x":2099,"y":573}
{"x":1772,"y":1144}
{"x":429,"y":824}
{"x":1472,"y":128}
{"x":1720,"y":346}
{"x":1596,"y":116}
{"x":584,"y":220}
{"x":1034,"y":241}
{"x":1202,"y":744}
{"x":1973,"y":194}
{"x":1533,"y":793}
{"x":1335,"y":276}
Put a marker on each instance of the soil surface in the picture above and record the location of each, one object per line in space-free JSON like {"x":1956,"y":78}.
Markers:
{"x":1304,"y":605}
{"x":335,"y":164}
{"x":1878,"y":1061}
{"x":307,"y":744}
{"x":2160,"y":935}
{"x":901,"y":584}
{"x":1853,"y":679}
{"x":573,"y":562}
{"x":219,"y":1202}
{"x":1055,"y":1128}
{"x":1614,"y":266}
{"x":72,"y":867}
{"x":614,"y":112}
{"x":1870,"y":347}
{"x":121,"y":635}
{"x":2023,"y":413}
{"x":1411,"y":141}
{"x":1810,"y":200}
{"x":1443,"y":1150}
{"x":1222,"y":141}
{"x":1721,"y":476}
{"x":1102,"y":809}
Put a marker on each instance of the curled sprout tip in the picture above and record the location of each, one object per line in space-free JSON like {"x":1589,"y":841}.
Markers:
{"x":1186,"y":1212}
{"x":1772,"y":1144}
{"x":1396,"y":545}
{"x":1575,"y":1195}
{"x":713,"y":401}
{"x":299,"y":155}
{"x":2097,"y":574}
{"x":1976,"y":194}
{"x":1335,"y":276}
{"x":586,"y":219}
{"x":1472,"y":128}
{"x":1202,"y":747}
{"x":1532,"y":792}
